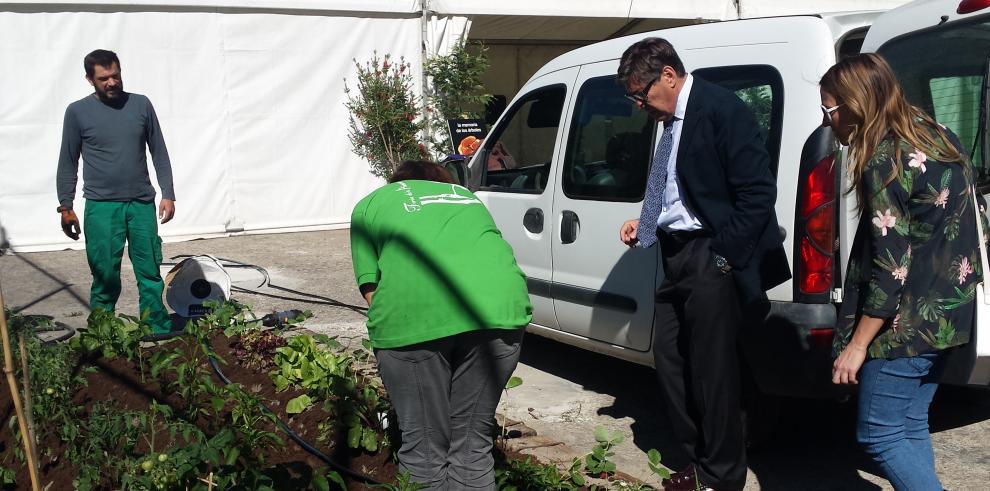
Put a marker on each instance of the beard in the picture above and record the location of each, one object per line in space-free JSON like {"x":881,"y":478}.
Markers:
{"x":114,"y":95}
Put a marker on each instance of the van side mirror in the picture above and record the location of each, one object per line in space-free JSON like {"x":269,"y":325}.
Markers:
{"x":457,"y":169}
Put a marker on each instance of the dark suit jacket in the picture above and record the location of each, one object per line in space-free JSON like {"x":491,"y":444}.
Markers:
{"x":724,"y":168}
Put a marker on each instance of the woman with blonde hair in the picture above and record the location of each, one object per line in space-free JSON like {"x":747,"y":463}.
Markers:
{"x":910,"y":285}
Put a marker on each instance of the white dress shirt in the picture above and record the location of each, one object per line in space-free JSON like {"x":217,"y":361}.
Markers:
{"x":675,"y":215}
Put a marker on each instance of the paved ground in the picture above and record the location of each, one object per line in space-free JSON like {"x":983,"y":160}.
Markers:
{"x":566,"y":392}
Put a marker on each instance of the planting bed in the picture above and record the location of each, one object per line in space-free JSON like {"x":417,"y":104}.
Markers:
{"x":111,"y":412}
{"x":115,"y":385}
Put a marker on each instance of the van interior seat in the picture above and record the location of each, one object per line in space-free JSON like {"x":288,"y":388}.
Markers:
{"x":603,"y":178}
{"x":626,"y":156}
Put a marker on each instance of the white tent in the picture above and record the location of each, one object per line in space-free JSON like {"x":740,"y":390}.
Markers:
{"x":250,"y":92}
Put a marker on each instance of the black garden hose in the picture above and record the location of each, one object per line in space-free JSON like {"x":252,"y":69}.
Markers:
{"x":56,"y":326}
{"x":49,"y":325}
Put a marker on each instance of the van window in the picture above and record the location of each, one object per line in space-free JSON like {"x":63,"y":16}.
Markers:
{"x":608,"y":151}
{"x":762,"y":89}
{"x":947,"y":82}
{"x":519,"y":151}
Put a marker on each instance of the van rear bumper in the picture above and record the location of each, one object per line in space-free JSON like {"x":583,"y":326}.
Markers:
{"x":791,"y":353}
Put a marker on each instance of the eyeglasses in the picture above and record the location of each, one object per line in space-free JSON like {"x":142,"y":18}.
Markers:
{"x":644,"y":93}
{"x":827,"y":111}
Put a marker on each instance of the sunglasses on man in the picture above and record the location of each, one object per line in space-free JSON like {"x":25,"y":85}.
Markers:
{"x":643,"y":94}
{"x":827,"y":111}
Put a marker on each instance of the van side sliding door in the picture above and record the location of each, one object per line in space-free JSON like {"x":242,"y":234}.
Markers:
{"x":602,"y":289}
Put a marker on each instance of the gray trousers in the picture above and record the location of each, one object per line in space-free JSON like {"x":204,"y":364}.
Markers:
{"x":445,"y":393}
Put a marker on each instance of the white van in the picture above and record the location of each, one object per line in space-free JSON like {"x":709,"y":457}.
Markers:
{"x":579,"y":157}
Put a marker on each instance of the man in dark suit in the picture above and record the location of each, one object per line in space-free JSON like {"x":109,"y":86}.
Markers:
{"x":710,"y":205}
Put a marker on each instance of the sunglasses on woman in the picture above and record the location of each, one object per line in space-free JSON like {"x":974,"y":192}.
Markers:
{"x":827,"y":111}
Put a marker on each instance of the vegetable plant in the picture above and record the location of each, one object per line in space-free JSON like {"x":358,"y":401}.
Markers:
{"x":329,"y":376}
{"x":599,"y":462}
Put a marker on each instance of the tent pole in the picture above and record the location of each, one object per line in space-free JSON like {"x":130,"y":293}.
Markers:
{"x":424,"y":57}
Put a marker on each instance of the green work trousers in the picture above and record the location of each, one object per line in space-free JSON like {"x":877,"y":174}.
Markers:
{"x":107,"y":225}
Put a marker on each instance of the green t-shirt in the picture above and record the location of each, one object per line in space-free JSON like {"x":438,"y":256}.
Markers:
{"x":440,"y":263}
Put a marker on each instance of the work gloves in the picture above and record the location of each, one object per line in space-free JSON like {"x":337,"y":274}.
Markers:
{"x":70,"y":224}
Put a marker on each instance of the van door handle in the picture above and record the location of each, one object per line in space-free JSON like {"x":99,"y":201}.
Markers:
{"x":533,"y":220}
{"x":569,"y":226}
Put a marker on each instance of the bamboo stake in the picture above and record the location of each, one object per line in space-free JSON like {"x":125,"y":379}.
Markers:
{"x":8,"y":361}
{"x":28,"y":404}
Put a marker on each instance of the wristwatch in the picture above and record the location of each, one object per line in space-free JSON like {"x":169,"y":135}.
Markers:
{"x":62,"y":208}
{"x":722,"y":264}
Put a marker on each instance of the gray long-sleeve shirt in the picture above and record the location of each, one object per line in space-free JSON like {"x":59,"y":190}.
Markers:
{"x":112,"y":143}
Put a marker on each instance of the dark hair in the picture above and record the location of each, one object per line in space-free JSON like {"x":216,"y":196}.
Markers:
{"x":420,"y":170}
{"x":102,"y":57}
{"x":644,"y":60}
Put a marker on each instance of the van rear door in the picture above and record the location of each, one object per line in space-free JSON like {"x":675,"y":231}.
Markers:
{"x":950,"y":82}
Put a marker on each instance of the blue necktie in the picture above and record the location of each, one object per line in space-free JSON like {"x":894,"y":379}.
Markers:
{"x":655,"y":187}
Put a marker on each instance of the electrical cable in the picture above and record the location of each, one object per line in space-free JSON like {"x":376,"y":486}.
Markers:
{"x":267,"y":282}
{"x":292,"y":434}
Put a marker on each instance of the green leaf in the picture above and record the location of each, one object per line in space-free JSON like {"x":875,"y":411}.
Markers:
{"x":212,"y":455}
{"x":321,"y":483}
{"x":335,"y":477}
{"x":653,"y":455}
{"x":354,"y":437}
{"x":660,"y":471}
{"x":232,"y":454}
{"x":369,"y":440}
{"x":218,"y":403}
{"x":577,"y":478}
{"x":281,"y":383}
{"x":513,"y":383}
{"x":601,"y":434}
{"x":299,"y":404}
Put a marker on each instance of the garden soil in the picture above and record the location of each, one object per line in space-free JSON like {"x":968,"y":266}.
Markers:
{"x":119,"y":380}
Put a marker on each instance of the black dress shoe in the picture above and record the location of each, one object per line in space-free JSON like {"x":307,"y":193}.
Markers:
{"x":686,"y":480}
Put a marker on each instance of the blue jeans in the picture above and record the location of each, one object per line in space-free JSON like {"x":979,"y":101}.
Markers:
{"x":894,"y":396}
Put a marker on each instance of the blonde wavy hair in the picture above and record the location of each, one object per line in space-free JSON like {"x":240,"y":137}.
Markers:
{"x":866,"y":86}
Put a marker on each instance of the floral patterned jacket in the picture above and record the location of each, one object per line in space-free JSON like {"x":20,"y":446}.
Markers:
{"x":915,"y":260}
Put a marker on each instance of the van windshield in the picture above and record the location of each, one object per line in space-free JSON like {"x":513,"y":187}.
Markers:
{"x":942,"y":70}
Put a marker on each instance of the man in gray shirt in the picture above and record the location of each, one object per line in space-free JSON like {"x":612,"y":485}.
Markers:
{"x":111,"y":130}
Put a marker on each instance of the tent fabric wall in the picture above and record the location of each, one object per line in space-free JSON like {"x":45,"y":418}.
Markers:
{"x":250,"y":93}
{"x":251,"y":106}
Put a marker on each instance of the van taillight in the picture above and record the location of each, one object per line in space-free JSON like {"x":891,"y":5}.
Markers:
{"x":970,"y":6}
{"x":818,"y":214}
